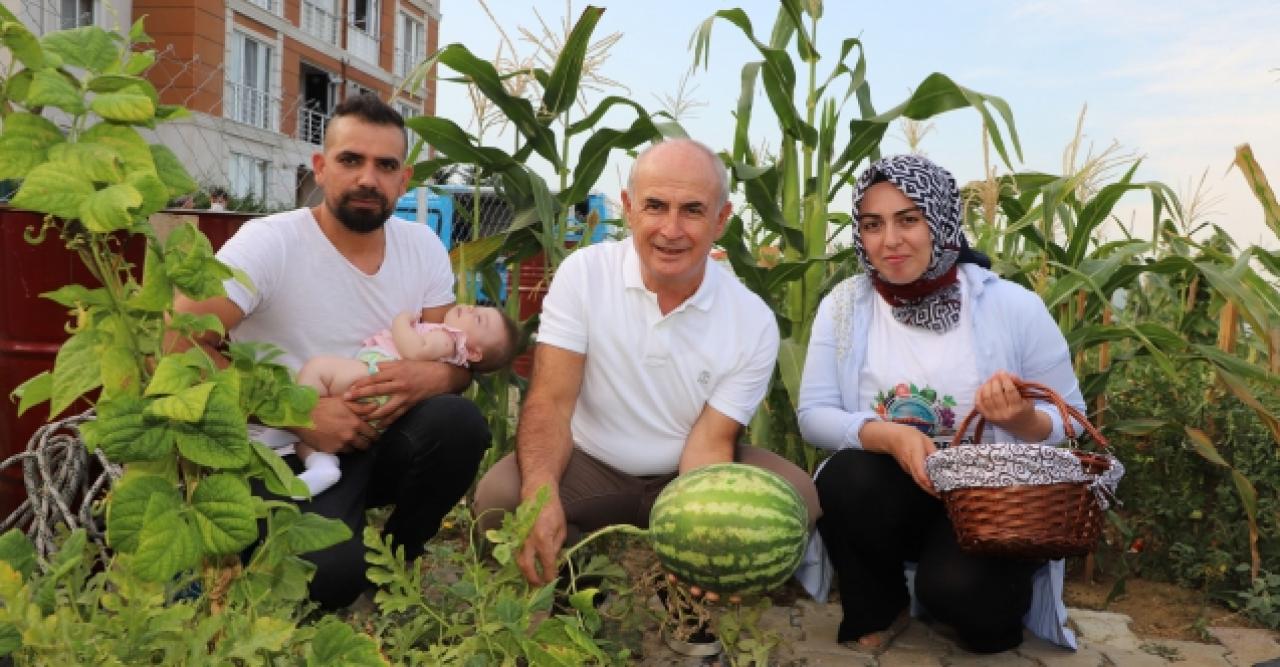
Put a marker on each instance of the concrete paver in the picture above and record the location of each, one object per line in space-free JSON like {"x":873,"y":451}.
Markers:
{"x":910,"y":658}
{"x":1191,"y":654}
{"x":1052,"y":655}
{"x":1133,"y":658}
{"x":1245,"y":647}
{"x":1104,"y":627}
{"x":1006,"y":659}
{"x":808,"y":630}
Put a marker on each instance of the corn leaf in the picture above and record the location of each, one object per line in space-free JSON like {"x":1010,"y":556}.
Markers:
{"x":561,"y":88}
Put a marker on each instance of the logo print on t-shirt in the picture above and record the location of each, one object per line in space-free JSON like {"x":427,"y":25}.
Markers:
{"x":704,"y":377}
{"x":921,"y":408}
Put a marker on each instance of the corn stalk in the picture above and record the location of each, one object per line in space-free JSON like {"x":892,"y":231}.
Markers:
{"x":789,"y":198}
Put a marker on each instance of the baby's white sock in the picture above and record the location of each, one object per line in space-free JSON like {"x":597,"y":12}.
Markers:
{"x":322,"y":472}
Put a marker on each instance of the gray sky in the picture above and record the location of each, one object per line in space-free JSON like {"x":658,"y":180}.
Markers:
{"x":1180,"y":83}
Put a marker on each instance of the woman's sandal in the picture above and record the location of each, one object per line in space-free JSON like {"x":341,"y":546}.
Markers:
{"x":875,"y":643}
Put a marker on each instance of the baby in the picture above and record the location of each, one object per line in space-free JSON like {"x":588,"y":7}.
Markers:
{"x":481,"y":338}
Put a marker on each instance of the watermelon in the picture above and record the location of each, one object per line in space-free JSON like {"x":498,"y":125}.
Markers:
{"x":730,"y":528}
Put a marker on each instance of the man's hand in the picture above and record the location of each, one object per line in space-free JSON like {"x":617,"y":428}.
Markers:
{"x":542,"y":546}
{"x":339,"y":426}
{"x":403,"y":383}
{"x":906,"y":444}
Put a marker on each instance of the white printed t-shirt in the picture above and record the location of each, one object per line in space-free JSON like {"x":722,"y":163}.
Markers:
{"x":920,"y":377}
{"x":647,"y":377}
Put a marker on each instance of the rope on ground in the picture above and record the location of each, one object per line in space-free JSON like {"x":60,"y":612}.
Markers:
{"x":56,"y":470}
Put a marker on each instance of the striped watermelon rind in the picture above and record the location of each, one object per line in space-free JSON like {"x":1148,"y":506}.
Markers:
{"x":730,"y":528}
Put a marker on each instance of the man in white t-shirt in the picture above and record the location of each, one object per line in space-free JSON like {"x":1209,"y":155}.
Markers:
{"x":650,"y":360}
{"x":324,"y":279}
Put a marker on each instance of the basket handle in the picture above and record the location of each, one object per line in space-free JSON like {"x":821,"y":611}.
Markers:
{"x":1034,"y":391}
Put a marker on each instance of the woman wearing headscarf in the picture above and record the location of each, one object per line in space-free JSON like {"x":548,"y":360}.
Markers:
{"x":897,"y":355}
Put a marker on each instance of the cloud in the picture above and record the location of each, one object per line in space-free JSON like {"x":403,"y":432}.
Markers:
{"x":1205,"y":69}
{"x":1093,"y":17}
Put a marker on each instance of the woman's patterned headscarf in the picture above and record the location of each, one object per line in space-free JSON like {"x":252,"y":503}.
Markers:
{"x":932,"y":301}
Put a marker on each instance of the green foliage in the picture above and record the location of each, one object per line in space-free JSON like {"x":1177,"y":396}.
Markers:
{"x":1172,"y":340}
{"x":1261,"y":600}
{"x":537,"y":212}
{"x":76,"y":614}
{"x":173,"y":589}
{"x":745,"y":642}
{"x":790,"y":195}
{"x":467,"y":609}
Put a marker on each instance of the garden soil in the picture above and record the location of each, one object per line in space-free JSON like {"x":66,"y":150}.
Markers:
{"x":1158,"y":610}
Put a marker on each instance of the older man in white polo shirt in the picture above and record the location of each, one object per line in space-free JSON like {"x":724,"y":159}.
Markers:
{"x":650,"y":360}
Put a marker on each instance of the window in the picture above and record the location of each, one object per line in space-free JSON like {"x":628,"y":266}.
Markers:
{"x":76,"y":13}
{"x":364,"y":16}
{"x":248,"y":177}
{"x":407,"y":110}
{"x":362,"y":33}
{"x":411,"y":44}
{"x":248,"y":97}
{"x":320,"y":19}
{"x":269,"y":5}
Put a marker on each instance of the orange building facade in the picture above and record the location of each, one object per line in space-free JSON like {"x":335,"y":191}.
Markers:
{"x":262,"y":76}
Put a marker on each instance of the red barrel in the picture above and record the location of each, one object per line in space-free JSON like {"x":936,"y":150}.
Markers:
{"x":534,"y":282}
{"x":32,"y":329}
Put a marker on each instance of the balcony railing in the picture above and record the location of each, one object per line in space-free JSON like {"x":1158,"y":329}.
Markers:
{"x":251,"y":106}
{"x":311,"y":124}
{"x":272,"y":6}
{"x":319,"y":22}
{"x":362,"y":45}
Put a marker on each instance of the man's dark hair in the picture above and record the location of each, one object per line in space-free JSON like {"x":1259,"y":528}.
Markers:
{"x":372,"y":110}
{"x":510,"y":348}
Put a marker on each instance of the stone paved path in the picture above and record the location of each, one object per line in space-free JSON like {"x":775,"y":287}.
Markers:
{"x":808,"y":631}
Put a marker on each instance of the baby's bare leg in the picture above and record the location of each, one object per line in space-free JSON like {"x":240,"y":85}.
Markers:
{"x":331,"y":376}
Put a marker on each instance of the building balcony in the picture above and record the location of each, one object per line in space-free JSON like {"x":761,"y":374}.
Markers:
{"x":311,"y":125}
{"x":319,"y":22}
{"x":272,"y":6}
{"x":362,"y":45}
{"x":251,"y":106}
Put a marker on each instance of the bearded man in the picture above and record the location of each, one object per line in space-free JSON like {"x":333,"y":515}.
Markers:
{"x":324,"y":279}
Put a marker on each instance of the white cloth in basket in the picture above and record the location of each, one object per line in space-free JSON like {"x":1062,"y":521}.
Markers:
{"x":1015,"y":464}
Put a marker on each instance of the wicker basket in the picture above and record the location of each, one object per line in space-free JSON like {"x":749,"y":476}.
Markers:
{"x":1058,"y":515}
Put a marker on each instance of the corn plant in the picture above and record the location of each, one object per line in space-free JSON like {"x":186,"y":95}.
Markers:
{"x":1175,"y":302}
{"x":790,"y":198}
{"x":538,"y":213}
{"x":542,"y":131}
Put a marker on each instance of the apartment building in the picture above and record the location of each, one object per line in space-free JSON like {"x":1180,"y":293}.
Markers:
{"x":262,"y":76}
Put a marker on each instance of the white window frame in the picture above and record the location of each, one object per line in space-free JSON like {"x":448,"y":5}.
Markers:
{"x":320,"y":19}
{"x":251,"y":101}
{"x":248,"y":177}
{"x":80,"y":20}
{"x":363,"y":42}
{"x":411,"y":43}
{"x":407,"y":110}
{"x":272,"y":7}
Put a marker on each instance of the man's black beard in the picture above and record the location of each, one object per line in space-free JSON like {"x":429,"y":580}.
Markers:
{"x":362,"y":220}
